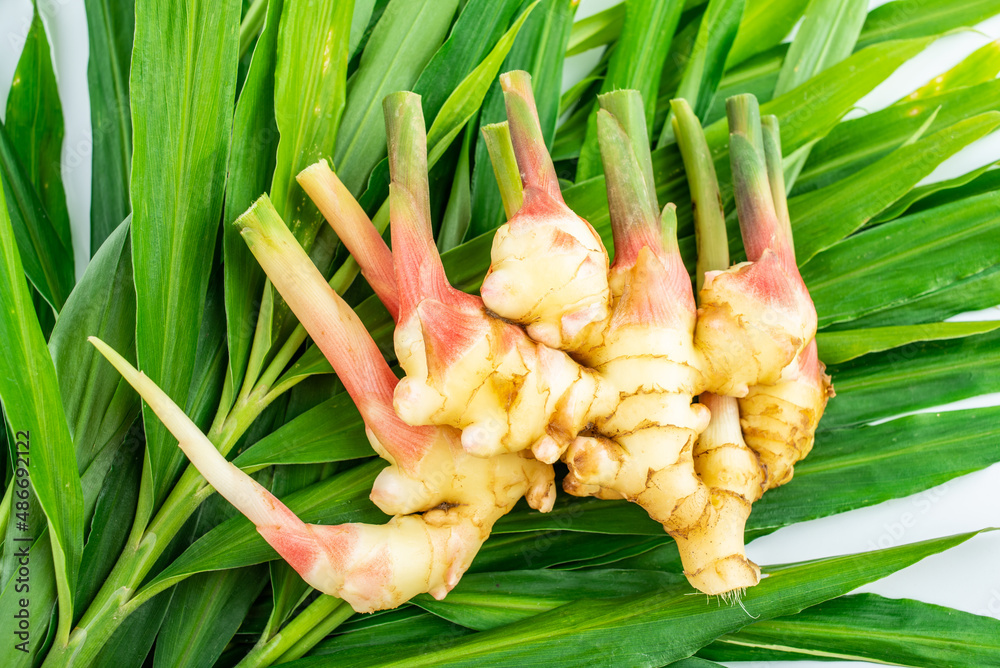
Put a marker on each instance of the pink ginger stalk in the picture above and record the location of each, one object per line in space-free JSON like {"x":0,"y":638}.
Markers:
{"x":549,"y":269}
{"x":756,"y":316}
{"x":460,"y":497}
{"x":643,"y":452}
{"x":354,"y":228}
{"x":779,"y":419}
{"x":464,"y":367}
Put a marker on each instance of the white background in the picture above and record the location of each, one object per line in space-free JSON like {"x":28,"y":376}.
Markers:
{"x":967,"y":577}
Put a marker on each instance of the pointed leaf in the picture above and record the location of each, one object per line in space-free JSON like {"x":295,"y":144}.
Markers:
{"x":868,"y":627}
{"x":844,"y":345}
{"x":251,"y":169}
{"x":876,"y":186}
{"x":204,"y":614}
{"x":653,"y":629}
{"x":34,"y":122}
{"x":183,"y":84}
{"x":33,"y":406}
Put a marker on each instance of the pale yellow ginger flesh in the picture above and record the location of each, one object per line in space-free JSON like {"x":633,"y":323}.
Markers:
{"x":549,"y":268}
{"x":713,"y":553}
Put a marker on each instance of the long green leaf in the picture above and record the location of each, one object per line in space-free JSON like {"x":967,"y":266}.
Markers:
{"x":99,"y":405}
{"x":205,"y":612}
{"x":596,"y":30}
{"x":538,"y":51}
{"x":980,"y":66}
{"x":251,"y":169}
{"x":904,"y":260}
{"x":401,"y":45}
{"x":857,"y":143}
{"x":34,"y":122}
{"x":920,"y":18}
{"x":47,"y":262}
{"x":635,"y":64}
{"x":477,"y":29}
{"x":309,"y":101}
{"x":708,"y":58}
{"x":853,"y":468}
{"x":877,"y":186}
{"x":913,"y":377}
{"x":655,"y":628}
{"x":836,"y":347}
{"x":33,"y":406}
{"x":182,"y":88}
{"x":826,"y":36}
{"x":110,"y":30}
{"x":868,"y":627}
{"x":488,"y":600}
{"x":111,"y":521}
{"x":765,"y":24}
{"x":330,"y":432}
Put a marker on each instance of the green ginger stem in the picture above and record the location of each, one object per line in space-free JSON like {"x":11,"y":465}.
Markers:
{"x":501,"y":150}
{"x":300,"y":634}
{"x":709,"y":215}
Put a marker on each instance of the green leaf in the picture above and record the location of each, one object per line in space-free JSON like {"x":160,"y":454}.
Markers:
{"x":919,"y":18}
{"x":111,"y":522}
{"x":110,"y":30}
{"x":309,"y":102}
{"x":47,"y":261}
{"x":854,"y":468}
{"x":33,"y":406}
{"x":479,"y":26}
{"x":100,"y":406}
{"x":132,"y":640}
{"x":43,"y":595}
{"x":182,"y":90}
{"x":330,"y":432}
{"x":34,"y":122}
{"x":868,"y":627}
{"x":969,"y":293}
{"x":837,"y":347}
{"x":488,"y":600}
{"x":655,"y":628}
{"x":876,"y":186}
{"x":913,"y":377}
{"x":468,"y":96}
{"x":596,"y":30}
{"x":855,"y":144}
{"x":235,"y":543}
{"x":537,"y":50}
{"x":765,"y":24}
{"x":402,"y":43}
{"x":826,"y":36}
{"x":704,"y":68}
{"x":203,"y":616}
{"x":251,"y":169}
{"x":635,"y":64}
{"x":458,"y":213}
{"x":900,"y":261}
{"x":559,"y":549}
{"x":980,"y":66}
{"x":923,"y":192}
